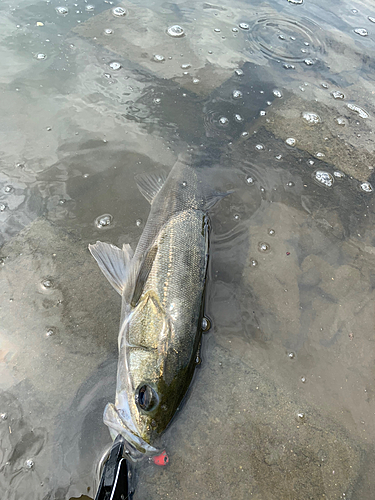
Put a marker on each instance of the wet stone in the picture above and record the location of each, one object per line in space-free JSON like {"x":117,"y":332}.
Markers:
{"x":47,"y":284}
{"x":103,"y":221}
{"x":361,"y":31}
{"x":337,"y":94}
{"x":29,"y":464}
{"x":341,"y":121}
{"x":62,"y":11}
{"x":367,"y":187}
{"x":223,"y":121}
{"x":323,"y":178}
{"x":263,"y":247}
{"x":50,"y":331}
{"x":357,"y":109}
{"x":338,"y":175}
{"x":115,"y":65}
{"x":237,"y":94}
{"x":311,"y":118}
{"x":301,"y":417}
{"x":119,"y":12}
{"x":176,"y":31}
{"x":159,"y":58}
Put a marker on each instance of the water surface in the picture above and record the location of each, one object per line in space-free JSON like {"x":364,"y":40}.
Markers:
{"x":274,"y":101}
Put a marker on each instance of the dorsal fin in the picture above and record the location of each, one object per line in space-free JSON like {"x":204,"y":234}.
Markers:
{"x":142,"y":275}
{"x":150,"y":184}
{"x":113,"y":262}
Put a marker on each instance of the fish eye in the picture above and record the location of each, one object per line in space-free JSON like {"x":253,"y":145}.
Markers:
{"x":146,"y":398}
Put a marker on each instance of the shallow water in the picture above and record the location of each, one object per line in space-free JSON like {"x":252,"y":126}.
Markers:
{"x":274,"y":101}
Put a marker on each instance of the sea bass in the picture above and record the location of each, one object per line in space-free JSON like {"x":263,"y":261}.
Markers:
{"x":162,"y":287}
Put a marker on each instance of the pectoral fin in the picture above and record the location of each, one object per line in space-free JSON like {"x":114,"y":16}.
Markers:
{"x":213,"y":198}
{"x":113,"y":262}
{"x":150,"y":184}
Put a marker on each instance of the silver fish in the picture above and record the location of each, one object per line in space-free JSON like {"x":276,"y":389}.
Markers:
{"x":162,"y":287}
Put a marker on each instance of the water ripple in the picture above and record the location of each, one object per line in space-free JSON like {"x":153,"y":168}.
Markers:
{"x":287,"y":40}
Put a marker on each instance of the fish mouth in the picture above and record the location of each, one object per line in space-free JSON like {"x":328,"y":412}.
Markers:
{"x":136,"y":447}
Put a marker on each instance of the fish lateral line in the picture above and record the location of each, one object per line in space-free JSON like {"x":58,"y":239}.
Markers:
{"x":142,"y":347}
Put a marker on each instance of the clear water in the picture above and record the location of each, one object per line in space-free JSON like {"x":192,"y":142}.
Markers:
{"x":275,"y":101}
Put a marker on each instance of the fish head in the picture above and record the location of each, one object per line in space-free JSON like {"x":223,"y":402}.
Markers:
{"x":137,"y":442}
{"x":142,"y":414}
{"x":150,"y":381}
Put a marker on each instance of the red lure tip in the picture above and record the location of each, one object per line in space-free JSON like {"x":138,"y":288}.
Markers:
{"x":161,"y":459}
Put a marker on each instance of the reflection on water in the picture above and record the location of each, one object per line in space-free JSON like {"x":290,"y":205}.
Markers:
{"x":273,"y":100}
